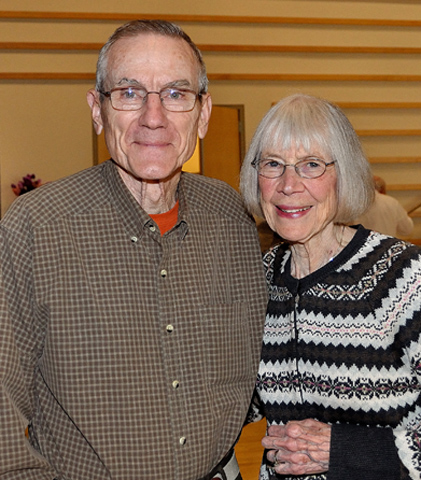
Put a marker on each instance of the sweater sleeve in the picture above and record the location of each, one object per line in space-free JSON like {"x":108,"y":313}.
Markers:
{"x":364,"y":452}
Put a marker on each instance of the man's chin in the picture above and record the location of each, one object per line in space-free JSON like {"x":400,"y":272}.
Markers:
{"x":152,"y":174}
{"x":159,"y":176}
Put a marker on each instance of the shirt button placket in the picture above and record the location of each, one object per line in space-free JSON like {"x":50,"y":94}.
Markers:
{"x":171,"y":344}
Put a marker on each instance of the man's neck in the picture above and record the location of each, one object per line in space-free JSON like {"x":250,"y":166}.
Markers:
{"x":156,"y":196}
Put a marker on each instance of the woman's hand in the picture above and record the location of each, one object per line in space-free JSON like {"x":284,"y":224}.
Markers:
{"x":299,"y":447}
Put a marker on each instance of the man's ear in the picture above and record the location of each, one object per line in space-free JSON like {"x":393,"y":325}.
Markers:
{"x":205,"y":113}
{"x":95,"y":105}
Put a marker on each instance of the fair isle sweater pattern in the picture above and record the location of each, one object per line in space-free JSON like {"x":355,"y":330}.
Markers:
{"x":343,"y":345}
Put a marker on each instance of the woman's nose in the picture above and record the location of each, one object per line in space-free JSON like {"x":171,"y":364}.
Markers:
{"x":290,"y":181}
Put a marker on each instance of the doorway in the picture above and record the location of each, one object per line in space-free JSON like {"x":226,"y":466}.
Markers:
{"x":223,"y":148}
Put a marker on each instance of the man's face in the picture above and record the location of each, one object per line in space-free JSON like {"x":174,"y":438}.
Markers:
{"x":151,"y":143}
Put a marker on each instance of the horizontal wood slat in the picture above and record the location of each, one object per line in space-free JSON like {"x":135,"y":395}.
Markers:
{"x":50,"y":46}
{"x":379,"y":105}
{"x":395,"y":160}
{"x":404,"y":187}
{"x":389,"y":133}
{"x":97,"y":16}
{"x":297,"y":77}
{"x":46,"y":76}
{"x":245,"y":77}
{"x":310,"y":49}
{"x":226,"y":48}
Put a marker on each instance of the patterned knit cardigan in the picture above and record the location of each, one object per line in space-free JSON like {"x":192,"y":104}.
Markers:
{"x":343,"y":346}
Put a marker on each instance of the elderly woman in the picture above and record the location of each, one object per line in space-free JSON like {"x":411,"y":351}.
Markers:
{"x":340,"y":375}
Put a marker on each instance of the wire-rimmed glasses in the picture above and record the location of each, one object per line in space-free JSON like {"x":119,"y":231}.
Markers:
{"x":309,"y":167}
{"x":133,"y":98}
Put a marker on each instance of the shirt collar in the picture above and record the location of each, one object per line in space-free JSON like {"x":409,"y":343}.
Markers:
{"x":135,"y":219}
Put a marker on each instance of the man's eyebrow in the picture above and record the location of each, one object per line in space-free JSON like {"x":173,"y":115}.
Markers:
{"x":173,"y":84}
{"x":129,"y":81}
{"x":178,"y":83}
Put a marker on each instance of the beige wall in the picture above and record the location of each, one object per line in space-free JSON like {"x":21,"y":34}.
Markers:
{"x":45,"y":126}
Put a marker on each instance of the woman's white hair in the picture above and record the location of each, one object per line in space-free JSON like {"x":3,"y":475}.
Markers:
{"x":310,"y":122}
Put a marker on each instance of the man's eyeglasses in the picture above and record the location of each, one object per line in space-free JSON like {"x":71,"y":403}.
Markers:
{"x":133,"y":98}
{"x":310,"y":167}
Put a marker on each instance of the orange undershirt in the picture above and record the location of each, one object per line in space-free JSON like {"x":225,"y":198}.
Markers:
{"x":167,"y":220}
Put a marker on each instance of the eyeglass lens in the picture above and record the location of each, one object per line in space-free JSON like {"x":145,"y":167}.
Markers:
{"x":173,"y":99}
{"x":306,"y":168}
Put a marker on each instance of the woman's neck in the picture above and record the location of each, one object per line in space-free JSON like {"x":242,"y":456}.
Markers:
{"x":308,"y":257}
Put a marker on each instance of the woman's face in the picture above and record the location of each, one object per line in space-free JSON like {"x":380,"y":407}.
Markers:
{"x":299,"y":209}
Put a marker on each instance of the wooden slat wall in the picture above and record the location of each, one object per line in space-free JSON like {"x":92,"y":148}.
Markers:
{"x":226,"y":48}
{"x":101,"y":16}
{"x":348,"y":84}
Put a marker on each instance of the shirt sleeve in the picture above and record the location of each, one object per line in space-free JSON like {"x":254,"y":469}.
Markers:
{"x":19,"y":461}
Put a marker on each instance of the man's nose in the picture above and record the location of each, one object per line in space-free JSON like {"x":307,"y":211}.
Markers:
{"x":153,"y":113}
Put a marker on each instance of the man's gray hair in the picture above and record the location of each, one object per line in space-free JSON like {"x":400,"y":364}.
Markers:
{"x":157,"y":27}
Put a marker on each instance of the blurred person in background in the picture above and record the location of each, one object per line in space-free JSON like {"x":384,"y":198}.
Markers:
{"x":386,"y":215}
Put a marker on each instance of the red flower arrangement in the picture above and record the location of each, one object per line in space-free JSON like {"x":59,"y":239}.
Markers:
{"x":28,"y":183}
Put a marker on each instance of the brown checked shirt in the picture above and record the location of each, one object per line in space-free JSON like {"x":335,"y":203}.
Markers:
{"x":129,"y":355}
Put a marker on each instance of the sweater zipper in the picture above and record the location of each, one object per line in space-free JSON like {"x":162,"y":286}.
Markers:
{"x":296,"y":357}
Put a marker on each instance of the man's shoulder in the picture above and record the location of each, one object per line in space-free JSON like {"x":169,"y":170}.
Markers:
{"x":70,"y":195}
{"x":214,"y":195}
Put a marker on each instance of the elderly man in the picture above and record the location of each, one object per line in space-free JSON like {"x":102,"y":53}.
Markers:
{"x":133,"y":297}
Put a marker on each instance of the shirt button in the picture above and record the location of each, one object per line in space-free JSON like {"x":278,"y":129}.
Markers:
{"x":183,"y":440}
{"x":164,"y":273}
{"x":175,"y":384}
{"x":133,"y":239}
{"x":170,"y":328}
{"x":152,"y":228}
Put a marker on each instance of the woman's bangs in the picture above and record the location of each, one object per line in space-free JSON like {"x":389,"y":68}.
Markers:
{"x":284,"y":133}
